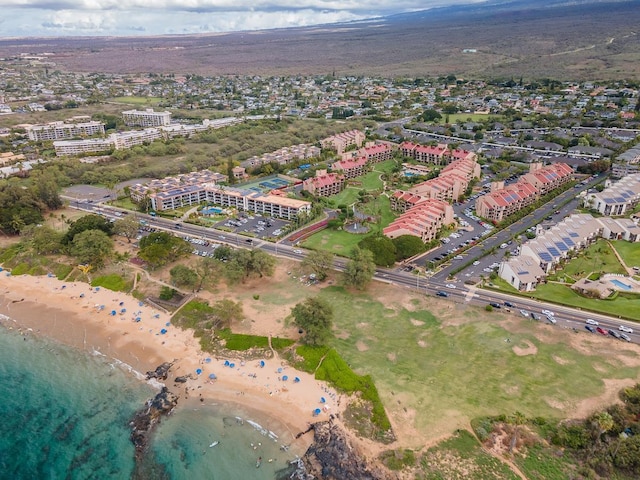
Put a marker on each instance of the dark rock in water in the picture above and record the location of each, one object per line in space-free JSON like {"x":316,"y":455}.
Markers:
{"x":161,"y":372}
{"x":182,"y":379}
{"x":144,"y":421}
{"x":331,"y":456}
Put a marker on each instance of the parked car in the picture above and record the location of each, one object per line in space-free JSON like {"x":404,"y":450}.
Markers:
{"x":450,"y":285}
{"x":601,"y":331}
{"x":626,"y":337}
{"x":534,"y":316}
{"x":624,"y":328}
{"x":551,"y":319}
{"x":590,"y":328}
{"x":591,"y":322}
{"x":440,"y":293}
{"x":495,"y":304}
{"x":548,"y":313}
{"x":509,"y":304}
{"x":613,"y":333}
{"x":524,"y":313}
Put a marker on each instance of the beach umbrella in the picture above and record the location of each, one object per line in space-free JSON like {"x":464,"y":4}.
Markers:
{"x":82,"y":295}
{"x":121,"y":303}
{"x":101,"y":307}
{"x":123,"y":310}
{"x":296,"y":380}
{"x":163,"y":331}
{"x":140,"y":304}
{"x":208,"y":360}
{"x":198,"y":371}
{"x":212,"y":376}
{"x":285,"y":378}
{"x":322,"y":400}
{"x":138,"y":319}
{"x":226,"y":363}
{"x":261,"y":363}
{"x":317,"y":411}
{"x":97,"y":289}
{"x":113,"y":312}
{"x":168,"y":324}
{"x":279,"y":370}
{"x":232,"y":365}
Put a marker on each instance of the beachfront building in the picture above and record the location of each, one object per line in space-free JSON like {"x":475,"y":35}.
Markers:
{"x":350,"y":168}
{"x":324,"y":184}
{"x":423,"y":220}
{"x":503,"y":201}
{"x":342,"y":141}
{"x":560,"y":242}
{"x":146,"y":118}
{"x":618,"y":198}
{"x":265,"y":204}
{"x":61,"y":130}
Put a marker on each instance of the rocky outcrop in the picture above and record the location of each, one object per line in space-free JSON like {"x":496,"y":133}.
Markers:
{"x":144,"y":421}
{"x":161,"y":372}
{"x":331,"y":456}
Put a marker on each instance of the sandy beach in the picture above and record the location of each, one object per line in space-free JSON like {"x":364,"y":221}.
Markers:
{"x":118,"y":326}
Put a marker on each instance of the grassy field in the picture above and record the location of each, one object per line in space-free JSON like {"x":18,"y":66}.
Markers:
{"x":599,"y":257}
{"x":629,"y":252}
{"x":460,"y":458}
{"x":348,"y":196}
{"x":334,"y":241}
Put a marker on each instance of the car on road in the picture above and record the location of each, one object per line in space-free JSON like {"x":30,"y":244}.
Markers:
{"x":524,"y":313}
{"x":298,"y":251}
{"x":548,"y":313}
{"x":590,"y":328}
{"x":551,"y":319}
{"x":495,"y":304}
{"x":534,"y":316}
{"x":440,"y":293}
{"x":624,"y":328}
{"x":624,"y":336}
{"x":590,"y":321}
{"x":476,"y":263}
{"x":450,"y":285}
{"x":509,"y":304}
{"x":613,"y":333}
{"x":601,"y":331}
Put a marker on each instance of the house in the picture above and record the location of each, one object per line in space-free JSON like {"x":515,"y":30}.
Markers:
{"x":522,"y":272}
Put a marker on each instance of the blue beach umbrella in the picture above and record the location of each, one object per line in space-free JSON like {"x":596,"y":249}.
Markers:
{"x":285,"y":378}
{"x":113,"y":312}
{"x":316,"y":412}
{"x":212,"y":376}
{"x":296,"y":380}
{"x":322,"y":400}
{"x":163,"y":331}
{"x":208,"y":360}
{"x":198,"y":371}
{"x":232,"y":365}
{"x":261,"y":363}
{"x":226,"y":363}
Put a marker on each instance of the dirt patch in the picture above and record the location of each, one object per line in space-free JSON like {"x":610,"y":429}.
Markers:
{"x":361,"y":346}
{"x":557,"y":404}
{"x":560,"y":360}
{"x":416,"y":323}
{"x":422,"y":344}
{"x":391,"y":357}
{"x":612,"y":387}
{"x":525,"y":348}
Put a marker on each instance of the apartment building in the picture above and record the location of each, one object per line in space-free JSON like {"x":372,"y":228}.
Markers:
{"x":78,"y":147}
{"x":435,"y":155}
{"x":342,"y":141}
{"x":448,"y":187}
{"x":552,"y":246}
{"x":146,"y":118}
{"x":351,"y":168}
{"x":423,"y":220}
{"x":376,"y":153}
{"x":132,"y":138}
{"x":324,"y":184}
{"x":139,"y":191}
{"x":61,"y":130}
{"x":284,"y":155}
{"x":618,"y":198}
{"x":504,"y":201}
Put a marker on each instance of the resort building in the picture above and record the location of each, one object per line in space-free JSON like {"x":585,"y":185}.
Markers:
{"x":342,"y":141}
{"x":146,"y":118}
{"x":423,"y":220}
{"x":448,"y":187}
{"x":504,"y":201}
{"x":78,"y":147}
{"x":618,"y":198}
{"x":559,"y":243}
{"x":351,"y":168}
{"x":435,"y":155}
{"x":284,"y":155}
{"x":139,"y":191}
{"x":324,"y":184}
{"x":132,"y":138}
{"x":376,"y":153}
{"x":62,"y":130}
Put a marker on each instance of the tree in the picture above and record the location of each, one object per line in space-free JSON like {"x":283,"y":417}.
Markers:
{"x":226,"y":311}
{"x":601,"y":423}
{"x":44,"y":240}
{"x":517,"y":419}
{"x":127,"y":227}
{"x":182,"y":275}
{"x":207,"y":270}
{"x":315,"y":317}
{"x":319,"y":262}
{"x":360,"y":269}
{"x":92,"y":246}
{"x":382,"y":248}
{"x":430,"y":115}
{"x":160,"y":248}
{"x":87,"y":222}
{"x":407,"y":246}
{"x":252,"y":262}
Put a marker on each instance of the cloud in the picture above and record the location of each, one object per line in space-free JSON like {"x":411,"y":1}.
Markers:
{"x":153,"y":17}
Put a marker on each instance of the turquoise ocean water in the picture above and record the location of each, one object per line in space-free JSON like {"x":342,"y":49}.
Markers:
{"x":64,"y":415}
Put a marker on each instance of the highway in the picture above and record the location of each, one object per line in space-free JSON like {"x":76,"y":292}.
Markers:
{"x":566,"y":317}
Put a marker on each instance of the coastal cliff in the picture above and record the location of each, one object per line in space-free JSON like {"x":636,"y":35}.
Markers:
{"x":332,"y":456}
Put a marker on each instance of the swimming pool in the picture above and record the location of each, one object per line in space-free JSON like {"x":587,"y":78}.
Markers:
{"x":618,"y":283}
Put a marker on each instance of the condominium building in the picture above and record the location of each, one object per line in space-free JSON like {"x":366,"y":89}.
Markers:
{"x":423,"y":220}
{"x":140,"y":191}
{"x":618,"y":198}
{"x":350,"y":168}
{"x":342,"y":141}
{"x":78,"y":147}
{"x":435,"y":155}
{"x":324,"y":184}
{"x":146,"y":118}
{"x":504,"y":201}
{"x":61,"y":130}
{"x":132,"y":138}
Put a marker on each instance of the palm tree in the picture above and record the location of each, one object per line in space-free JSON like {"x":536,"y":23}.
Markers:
{"x":517,"y":419}
{"x":601,"y":422}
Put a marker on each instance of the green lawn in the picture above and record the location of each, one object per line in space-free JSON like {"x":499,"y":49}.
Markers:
{"x":629,"y":252}
{"x":387,"y":166}
{"x":371,"y":181}
{"x":599,"y":257}
{"x":334,"y":241}
{"x":348,"y":196}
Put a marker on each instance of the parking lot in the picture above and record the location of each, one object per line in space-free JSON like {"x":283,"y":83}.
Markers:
{"x":254,"y":225}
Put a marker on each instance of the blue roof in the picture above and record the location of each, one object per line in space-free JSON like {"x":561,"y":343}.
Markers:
{"x":545,"y":256}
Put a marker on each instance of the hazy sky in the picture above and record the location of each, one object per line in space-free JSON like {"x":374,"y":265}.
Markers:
{"x":152,"y":17}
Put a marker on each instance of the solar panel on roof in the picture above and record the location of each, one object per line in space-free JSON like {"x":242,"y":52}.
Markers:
{"x":545,"y":256}
{"x":568,"y":241}
{"x":573,"y":235}
{"x":553,"y":251}
{"x":562,"y":247}
{"x":525,"y":272}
